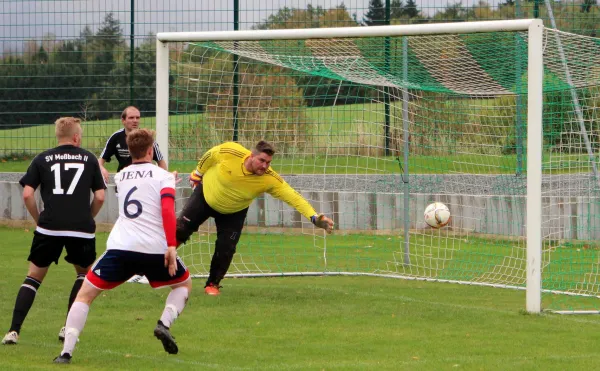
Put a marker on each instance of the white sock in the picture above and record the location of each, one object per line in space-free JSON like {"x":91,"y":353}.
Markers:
{"x":175,"y":304}
{"x":75,"y":323}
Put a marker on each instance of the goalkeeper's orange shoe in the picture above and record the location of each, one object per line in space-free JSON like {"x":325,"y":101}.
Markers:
{"x":212,"y":289}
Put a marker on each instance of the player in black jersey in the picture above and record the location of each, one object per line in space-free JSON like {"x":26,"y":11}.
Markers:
{"x":65,"y":175}
{"x":116,"y":145}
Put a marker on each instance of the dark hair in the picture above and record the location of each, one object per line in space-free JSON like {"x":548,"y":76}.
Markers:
{"x":264,"y":147}
{"x":124,"y":113}
{"x":139,"y":141}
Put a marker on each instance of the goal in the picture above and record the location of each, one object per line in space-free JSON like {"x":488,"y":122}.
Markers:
{"x":498,"y":120}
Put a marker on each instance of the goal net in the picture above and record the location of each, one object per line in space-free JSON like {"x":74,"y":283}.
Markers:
{"x":371,"y":129}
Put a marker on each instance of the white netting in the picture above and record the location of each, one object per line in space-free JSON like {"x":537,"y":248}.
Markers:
{"x":372,"y":130}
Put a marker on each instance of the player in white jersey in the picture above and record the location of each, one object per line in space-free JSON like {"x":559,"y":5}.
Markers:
{"x":142,"y":242}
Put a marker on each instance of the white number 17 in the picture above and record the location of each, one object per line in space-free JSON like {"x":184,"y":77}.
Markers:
{"x":58,"y":190}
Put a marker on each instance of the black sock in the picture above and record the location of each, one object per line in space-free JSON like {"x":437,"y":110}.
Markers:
{"x":75,"y":290}
{"x":162,"y":324}
{"x":221,"y":260}
{"x":24,"y":302}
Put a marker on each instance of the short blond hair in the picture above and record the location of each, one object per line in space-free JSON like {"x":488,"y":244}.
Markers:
{"x":66,"y":127}
{"x":138,"y":142}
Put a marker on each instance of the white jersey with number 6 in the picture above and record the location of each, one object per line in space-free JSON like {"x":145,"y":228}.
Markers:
{"x":140,"y":225}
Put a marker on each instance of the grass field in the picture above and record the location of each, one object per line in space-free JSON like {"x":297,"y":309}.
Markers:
{"x":33,"y":139}
{"x":568,"y":266}
{"x":310,"y":323}
{"x":353,"y":133}
{"x":470,"y":164}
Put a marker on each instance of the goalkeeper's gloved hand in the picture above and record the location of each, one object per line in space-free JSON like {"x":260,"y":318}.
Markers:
{"x":323,"y":222}
{"x":195,"y":179}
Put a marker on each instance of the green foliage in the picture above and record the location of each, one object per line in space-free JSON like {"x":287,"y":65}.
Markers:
{"x":107,"y":79}
{"x":404,"y":12}
{"x":411,"y":9}
{"x":41,"y":93}
{"x":91,"y":77}
{"x":562,"y":127}
{"x":292,"y":18}
{"x":79,"y":77}
{"x":41,"y":57}
{"x":311,"y":17}
{"x":439,"y":126}
{"x":106,"y":44}
{"x":455,"y":12}
{"x":117,"y":88}
{"x":375,"y":15}
{"x":322,"y":92}
{"x":396,"y":9}
{"x":586,"y":5}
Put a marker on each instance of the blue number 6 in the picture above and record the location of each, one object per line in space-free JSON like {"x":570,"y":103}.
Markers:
{"x":128,"y":202}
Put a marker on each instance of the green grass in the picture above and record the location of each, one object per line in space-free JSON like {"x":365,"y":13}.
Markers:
{"x":95,"y":134}
{"x":569,"y":266}
{"x":338,"y":128}
{"x":452,"y":164}
{"x":309,"y":323}
{"x":37,"y":138}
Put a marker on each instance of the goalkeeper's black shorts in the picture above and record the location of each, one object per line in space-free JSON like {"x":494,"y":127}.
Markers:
{"x":196,"y":211}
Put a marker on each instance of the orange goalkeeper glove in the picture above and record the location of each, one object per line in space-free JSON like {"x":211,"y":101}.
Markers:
{"x":195,"y":179}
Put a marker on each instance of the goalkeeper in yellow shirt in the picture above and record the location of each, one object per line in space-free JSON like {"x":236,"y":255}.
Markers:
{"x":226,"y":180}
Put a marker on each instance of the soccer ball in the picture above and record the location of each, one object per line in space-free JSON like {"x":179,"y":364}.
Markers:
{"x":437,"y":215}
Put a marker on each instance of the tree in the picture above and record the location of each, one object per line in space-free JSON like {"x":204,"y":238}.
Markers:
{"x":49,"y":42}
{"x":107,"y":41}
{"x":38,"y":93}
{"x":115,"y":94}
{"x":86,"y":40}
{"x":292,"y":18}
{"x":69,"y":52}
{"x":87,"y":35}
{"x":455,"y":12}
{"x":336,"y":17}
{"x":411,"y":10}
{"x":397,"y":9}
{"x":586,"y":5}
{"x":30,"y":49}
{"x":41,"y":57}
{"x":106,"y":46}
{"x":482,"y":10}
{"x":12,"y":94}
{"x":375,"y":16}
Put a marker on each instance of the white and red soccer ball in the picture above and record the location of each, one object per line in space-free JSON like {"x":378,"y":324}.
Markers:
{"x":437,"y":215}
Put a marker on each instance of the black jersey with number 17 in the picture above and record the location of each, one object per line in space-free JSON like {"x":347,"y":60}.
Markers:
{"x":66,"y":175}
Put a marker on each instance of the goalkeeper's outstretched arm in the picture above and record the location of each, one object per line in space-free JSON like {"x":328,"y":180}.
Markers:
{"x":286,"y":193}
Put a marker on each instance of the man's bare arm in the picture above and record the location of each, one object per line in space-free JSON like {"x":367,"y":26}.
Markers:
{"x":30,"y":204}
{"x":162,"y":164}
{"x":103,"y":170}
{"x":97,"y":202}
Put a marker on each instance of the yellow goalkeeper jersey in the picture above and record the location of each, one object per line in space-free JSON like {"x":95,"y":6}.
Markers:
{"x":229,"y":187}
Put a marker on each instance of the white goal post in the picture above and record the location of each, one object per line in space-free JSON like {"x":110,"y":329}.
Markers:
{"x":535,"y":31}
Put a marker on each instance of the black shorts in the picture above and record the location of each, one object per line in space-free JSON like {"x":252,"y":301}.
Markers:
{"x":196,"y":211}
{"x":117,"y":266}
{"x":47,"y":249}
